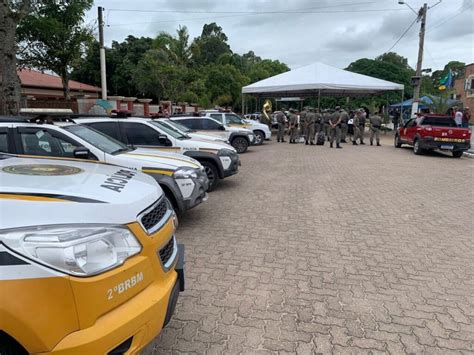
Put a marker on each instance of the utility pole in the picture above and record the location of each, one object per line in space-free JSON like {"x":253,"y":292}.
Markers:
{"x":417,"y":77}
{"x":103,"y":74}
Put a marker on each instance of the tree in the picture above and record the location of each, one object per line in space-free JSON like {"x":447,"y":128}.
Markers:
{"x":11,"y":13}
{"x":210,"y":45}
{"x":177,"y":48}
{"x":54,"y":37}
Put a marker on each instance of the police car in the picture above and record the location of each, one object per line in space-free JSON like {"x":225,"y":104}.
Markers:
{"x":219,"y":160}
{"x":89,"y":263}
{"x":239,"y":138}
{"x":182,"y":178}
{"x":217,"y":136}
{"x":230,"y":119}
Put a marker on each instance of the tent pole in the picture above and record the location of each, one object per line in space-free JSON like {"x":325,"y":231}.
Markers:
{"x":400,"y":120}
{"x":319,"y":100}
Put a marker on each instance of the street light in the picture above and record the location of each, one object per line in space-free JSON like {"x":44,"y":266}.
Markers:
{"x":401,"y":2}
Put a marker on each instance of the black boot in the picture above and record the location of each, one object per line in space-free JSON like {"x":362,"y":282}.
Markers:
{"x":378,"y":145}
{"x":354,"y":143}
{"x":283,"y":141}
{"x":306,"y":143}
{"x":343,"y":141}
{"x":338,"y":146}
{"x":362,"y":143}
{"x":330,"y":145}
{"x":278,"y":140}
{"x":371,"y":143}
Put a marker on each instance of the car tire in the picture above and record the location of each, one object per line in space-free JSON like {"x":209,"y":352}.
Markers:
{"x":397,"y":142}
{"x":240,"y":144}
{"x":416,"y":147}
{"x":458,"y":154}
{"x":259,"y":137}
{"x":212,"y":174}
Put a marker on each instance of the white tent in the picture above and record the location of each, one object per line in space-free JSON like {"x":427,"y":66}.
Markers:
{"x":319,"y":79}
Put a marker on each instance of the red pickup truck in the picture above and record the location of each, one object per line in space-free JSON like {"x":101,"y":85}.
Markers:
{"x":430,"y":132}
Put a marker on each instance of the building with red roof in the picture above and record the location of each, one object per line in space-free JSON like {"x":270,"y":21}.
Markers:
{"x":42,"y":86}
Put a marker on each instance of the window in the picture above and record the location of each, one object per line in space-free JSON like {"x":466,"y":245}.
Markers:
{"x":108,"y":128}
{"x":168,"y":131}
{"x":411,"y":123}
{"x":439,"y":121}
{"x":233,"y":119}
{"x":210,"y":125}
{"x":191,"y":123}
{"x":140,"y":134}
{"x":3,"y":142}
{"x":217,"y":117}
{"x":46,"y":142}
{"x":178,"y":125}
{"x":97,"y":139}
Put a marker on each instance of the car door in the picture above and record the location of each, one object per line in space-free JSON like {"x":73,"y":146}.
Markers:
{"x":42,"y":141}
{"x":409,"y":131}
{"x":219,"y":117}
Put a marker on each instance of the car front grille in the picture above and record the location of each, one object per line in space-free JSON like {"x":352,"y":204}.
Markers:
{"x":167,"y":252}
{"x":156,"y":216}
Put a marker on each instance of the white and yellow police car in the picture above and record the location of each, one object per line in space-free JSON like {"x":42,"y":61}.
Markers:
{"x":89,"y":263}
{"x":183,"y":179}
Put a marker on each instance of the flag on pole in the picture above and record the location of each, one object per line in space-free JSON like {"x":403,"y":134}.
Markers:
{"x":448,"y":80}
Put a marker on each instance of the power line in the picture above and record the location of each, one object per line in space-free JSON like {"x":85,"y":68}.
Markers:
{"x":403,"y":35}
{"x":243,"y":12}
{"x":461,"y":11}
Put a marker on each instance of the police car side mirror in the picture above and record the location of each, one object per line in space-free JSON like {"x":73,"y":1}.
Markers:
{"x":221,"y":128}
{"x":81,"y":153}
{"x":163,"y":139}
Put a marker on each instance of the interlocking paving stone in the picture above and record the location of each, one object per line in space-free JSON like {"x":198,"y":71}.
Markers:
{"x":316,"y":250}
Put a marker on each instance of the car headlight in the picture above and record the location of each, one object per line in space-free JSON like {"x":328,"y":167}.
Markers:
{"x":185,"y":173}
{"x":79,"y":250}
{"x":226,"y":152}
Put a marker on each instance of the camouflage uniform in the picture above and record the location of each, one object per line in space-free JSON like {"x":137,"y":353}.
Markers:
{"x":335,"y":132}
{"x":375,"y":126}
{"x":309,"y":126}
{"x":281,"y":118}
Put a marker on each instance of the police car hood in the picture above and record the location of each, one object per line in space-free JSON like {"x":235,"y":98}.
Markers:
{"x":206,"y":144}
{"x":250,"y":124}
{"x":46,"y":191}
{"x":150,"y":157}
{"x":219,"y":137}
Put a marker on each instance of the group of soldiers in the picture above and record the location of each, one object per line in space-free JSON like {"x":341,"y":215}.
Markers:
{"x":332,"y":124}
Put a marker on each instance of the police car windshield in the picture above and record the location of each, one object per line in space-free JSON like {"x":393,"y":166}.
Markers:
{"x":180,"y":127}
{"x":172,"y":132}
{"x":101,"y":141}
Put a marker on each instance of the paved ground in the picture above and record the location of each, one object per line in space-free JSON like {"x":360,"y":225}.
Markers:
{"x":317,"y":250}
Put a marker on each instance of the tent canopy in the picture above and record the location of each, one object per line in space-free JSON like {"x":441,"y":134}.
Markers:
{"x":425,"y":101}
{"x":319,"y":78}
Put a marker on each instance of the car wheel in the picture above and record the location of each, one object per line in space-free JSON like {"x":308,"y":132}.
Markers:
{"x":240,"y":144}
{"x":457,"y":154}
{"x":212,"y":174}
{"x":397,"y":143}
{"x":259,"y":137}
{"x":416,"y":148}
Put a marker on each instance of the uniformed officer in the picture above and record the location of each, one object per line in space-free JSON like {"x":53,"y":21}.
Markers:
{"x":293,"y":126}
{"x":362,"y":119}
{"x":302,"y":126}
{"x":355,"y":126}
{"x":281,"y":120}
{"x":318,"y":121}
{"x":375,"y":126}
{"x":326,"y":125}
{"x":344,"y":124}
{"x":309,"y":123}
{"x":335,"y":128}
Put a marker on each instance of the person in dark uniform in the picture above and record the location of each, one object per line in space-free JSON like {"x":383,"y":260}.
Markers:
{"x":293,"y":126}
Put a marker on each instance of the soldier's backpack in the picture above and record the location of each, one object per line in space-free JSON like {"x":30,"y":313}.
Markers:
{"x":320,"y":138}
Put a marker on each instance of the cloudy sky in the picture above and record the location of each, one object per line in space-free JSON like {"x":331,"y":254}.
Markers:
{"x":299,"y":32}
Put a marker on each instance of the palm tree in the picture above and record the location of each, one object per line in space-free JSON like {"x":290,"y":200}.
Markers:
{"x":177,"y":48}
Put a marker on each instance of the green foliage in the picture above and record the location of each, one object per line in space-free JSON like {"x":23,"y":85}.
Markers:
{"x":169,"y":67}
{"x":53,"y":37}
{"x":440,"y":102}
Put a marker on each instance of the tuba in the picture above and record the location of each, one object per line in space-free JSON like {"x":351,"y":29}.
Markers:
{"x":267,"y":108}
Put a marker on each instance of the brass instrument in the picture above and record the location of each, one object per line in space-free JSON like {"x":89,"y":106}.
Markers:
{"x":267,"y":108}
